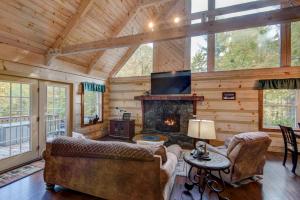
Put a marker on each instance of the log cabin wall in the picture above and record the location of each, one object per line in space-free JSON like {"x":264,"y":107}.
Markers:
{"x":231,"y":117}
{"x":16,"y":62}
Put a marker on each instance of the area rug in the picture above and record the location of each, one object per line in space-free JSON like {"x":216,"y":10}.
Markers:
{"x":182,"y":167}
{"x":21,"y":172}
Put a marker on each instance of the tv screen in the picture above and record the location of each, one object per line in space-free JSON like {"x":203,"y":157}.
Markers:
{"x":171,"y":82}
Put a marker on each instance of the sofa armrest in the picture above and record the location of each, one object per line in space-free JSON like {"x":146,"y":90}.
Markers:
{"x":227,"y":141}
{"x":220,"y":150}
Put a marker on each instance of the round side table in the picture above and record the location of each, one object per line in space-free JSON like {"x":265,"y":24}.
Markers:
{"x":204,"y":178}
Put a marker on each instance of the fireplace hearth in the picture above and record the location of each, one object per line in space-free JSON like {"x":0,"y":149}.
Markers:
{"x":169,"y":115}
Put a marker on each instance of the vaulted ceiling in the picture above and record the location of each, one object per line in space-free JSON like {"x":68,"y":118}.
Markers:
{"x":41,"y":26}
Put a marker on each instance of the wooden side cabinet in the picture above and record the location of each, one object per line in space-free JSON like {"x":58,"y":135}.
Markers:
{"x":122,"y":128}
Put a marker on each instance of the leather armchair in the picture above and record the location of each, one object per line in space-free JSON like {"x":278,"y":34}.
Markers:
{"x":247,"y":153}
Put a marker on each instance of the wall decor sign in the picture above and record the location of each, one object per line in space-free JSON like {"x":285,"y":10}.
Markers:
{"x":229,"y":96}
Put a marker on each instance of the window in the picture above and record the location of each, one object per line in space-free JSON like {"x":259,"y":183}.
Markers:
{"x":92,"y":107}
{"x":281,"y":107}
{"x":56,"y":119}
{"x":199,"y":5}
{"x":140,"y":63}
{"x":226,"y":3}
{"x":295,"y":44}
{"x":199,"y":54}
{"x":15,"y":115}
{"x":248,"y":12}
{"x":248,"y":49}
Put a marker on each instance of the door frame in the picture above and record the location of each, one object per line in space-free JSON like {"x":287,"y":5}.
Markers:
{"x":33,"y":153}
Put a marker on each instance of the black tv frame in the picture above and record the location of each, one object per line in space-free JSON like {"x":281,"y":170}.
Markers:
{"x":188,"y":91}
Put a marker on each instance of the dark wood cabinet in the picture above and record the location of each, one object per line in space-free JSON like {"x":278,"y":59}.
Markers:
{"x":122,"y":128}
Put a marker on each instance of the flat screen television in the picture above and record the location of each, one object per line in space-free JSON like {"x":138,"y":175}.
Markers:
{"x":171,"y":82}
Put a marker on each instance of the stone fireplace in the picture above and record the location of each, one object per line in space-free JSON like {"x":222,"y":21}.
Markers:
{"x":169,"y":115}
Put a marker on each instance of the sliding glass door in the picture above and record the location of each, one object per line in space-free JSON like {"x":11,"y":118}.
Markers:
{"x":54,"y":111}
{"x":18,"y":121}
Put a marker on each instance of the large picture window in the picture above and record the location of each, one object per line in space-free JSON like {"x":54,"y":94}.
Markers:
{"x":199,"y":54}
{"x":248,"y":49}
{"x":140,"y":63}
{"x":280,"y":107}
{"x":295,"y":44}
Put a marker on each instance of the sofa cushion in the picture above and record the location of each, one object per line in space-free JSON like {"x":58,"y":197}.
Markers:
{"x":175,"y":149}
{"x":73,"y":147}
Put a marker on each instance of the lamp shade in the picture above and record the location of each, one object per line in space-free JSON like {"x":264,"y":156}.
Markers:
{"x":202,"y":129}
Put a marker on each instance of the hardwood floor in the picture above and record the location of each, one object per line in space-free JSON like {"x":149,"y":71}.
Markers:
{"x":278,"y":184}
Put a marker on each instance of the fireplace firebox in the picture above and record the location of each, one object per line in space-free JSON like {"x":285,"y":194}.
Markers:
{"x":168,"y":122}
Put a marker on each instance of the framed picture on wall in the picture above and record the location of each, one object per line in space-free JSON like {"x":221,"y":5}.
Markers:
{"x":229,"y":96}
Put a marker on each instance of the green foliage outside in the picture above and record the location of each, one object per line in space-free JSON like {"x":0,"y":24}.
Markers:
{"x":199,"y":59}
{"x":91,"y":105}
{"x":296,"y":44}
{"x":139,"y":64}
{"x":56,"y":102}
{"x":280,"y":108}
{"x":19,"y":96}
{"x":248,"y":49}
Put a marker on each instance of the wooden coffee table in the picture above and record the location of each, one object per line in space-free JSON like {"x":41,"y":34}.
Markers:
{"x":151,"y":137}
{"x":204,"y":179}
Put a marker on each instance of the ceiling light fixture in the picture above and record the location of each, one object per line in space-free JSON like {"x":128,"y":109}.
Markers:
{"x":151,"y":25}
{"x":176,"y":20}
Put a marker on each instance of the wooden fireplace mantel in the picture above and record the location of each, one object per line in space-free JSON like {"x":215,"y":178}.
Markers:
{"x":169,"y":98}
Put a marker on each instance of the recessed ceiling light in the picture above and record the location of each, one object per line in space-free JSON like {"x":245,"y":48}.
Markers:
{"x":176,"y":20}
{"x":151,"y":25}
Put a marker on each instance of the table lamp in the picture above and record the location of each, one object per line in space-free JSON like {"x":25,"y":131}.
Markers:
{"x":202,"y":129}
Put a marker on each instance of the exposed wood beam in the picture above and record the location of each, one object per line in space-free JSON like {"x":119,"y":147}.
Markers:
{"x":84,"y":7}
{"x":16,"y":43}
{"x":248,"y":21}
{"x":123,"y":60}
{"x":120,"y":28}
{"x":142,"y":4}
{"x":132,"y":49}
{"x":147,"y":3}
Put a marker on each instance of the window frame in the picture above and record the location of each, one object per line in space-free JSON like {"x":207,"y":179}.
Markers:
{"x":101,"y":107}
{"x":261,"y":112}
{"x":285,"y":45}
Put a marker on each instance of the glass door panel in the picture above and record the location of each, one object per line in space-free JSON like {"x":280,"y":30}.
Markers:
{"x":18,"y":120}
{"x":56,"y":116}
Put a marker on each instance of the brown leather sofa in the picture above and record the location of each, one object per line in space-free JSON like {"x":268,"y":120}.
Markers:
{"x":247,"y":153}
{"x":111,"y":170}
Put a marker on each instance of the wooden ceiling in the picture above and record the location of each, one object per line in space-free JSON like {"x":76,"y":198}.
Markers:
{"x":44,"y":26}
{"x":39,"y":26}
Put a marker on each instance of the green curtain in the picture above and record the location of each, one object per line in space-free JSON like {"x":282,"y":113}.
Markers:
{"x":293,"y":83}
{"x":93,"y":87}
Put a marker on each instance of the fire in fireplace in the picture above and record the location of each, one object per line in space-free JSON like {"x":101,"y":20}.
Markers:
{"x":168,"y":123}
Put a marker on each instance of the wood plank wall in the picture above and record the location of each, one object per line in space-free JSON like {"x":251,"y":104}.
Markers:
{"x":231,"y":117}
{"x":12,"y":63}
